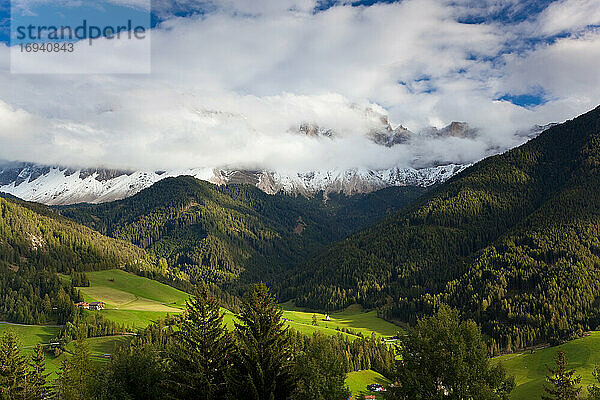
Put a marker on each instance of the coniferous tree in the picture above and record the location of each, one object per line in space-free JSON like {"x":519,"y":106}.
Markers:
{"x":201,"y":351}
{"x":444,"y":358}
{"x":135,"y":372}
{"x":13,"y":368}
{"x":594,"y":390}
{"x":76,"y":376}
{"x":264,"y":361}
{"x":320,"y":372}
{"x":38,"y":387}
{"x":564,"y":385}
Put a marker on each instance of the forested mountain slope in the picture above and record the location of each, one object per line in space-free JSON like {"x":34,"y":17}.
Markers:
{"x":513,"y":241}
{"x":35,"y":243}
{"x":234,"y":234}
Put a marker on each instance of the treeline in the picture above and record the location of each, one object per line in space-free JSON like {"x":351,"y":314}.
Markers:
{"x":79,"y":279}
{"x":32,"y":296}
{"x":512,"y":242}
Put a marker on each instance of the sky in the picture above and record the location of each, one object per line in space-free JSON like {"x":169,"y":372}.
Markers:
{"x":232,"y":80}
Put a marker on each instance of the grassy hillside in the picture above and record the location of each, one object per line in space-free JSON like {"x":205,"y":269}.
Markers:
{"x":132,"y":300}
{"x":357,"y":382}
{"x":30,"y":335}
{"x":353,"y":319}
{"x":513,"y":242}
{"x":35,"y":243}
{"x":133,"y":289}
{"x":530,"y":369}
{"x":137,"y":301}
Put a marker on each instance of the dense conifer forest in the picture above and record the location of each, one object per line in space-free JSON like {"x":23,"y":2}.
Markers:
{"x":237,"y":234}
{"x":513,"y":242}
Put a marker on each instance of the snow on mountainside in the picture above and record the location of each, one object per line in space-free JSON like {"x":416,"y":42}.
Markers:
{"x":61,"y":186}
{"x":354,"y":181}
{"x":54,"y":185}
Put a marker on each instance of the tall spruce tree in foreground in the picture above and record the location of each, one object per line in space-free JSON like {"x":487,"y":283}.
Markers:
{"x":564,"y":385}
{"x":75,"y":381}
{"x":37,"y":379}
{"x":444,"y":358}
{"x":201,"y":351}
{"x":13,"y":368}
{"x":263,"y":363}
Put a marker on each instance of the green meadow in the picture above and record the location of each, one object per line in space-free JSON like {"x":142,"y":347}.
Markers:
{"x":132,"y":300}
{"x":530,"y":369}
{"x":137,"y":302}
{"x":352,"y":318}
{"x":124,"y":290}
{"x":357,"y":382}
{"x":31,"y":335}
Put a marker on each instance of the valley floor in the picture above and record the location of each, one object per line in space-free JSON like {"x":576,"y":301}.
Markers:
{"x":137,"y":302}
{"x":31,"y":335}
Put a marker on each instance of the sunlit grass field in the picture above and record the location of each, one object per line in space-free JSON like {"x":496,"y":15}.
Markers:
{"x":31,"y":335}
{"x":132,"y":300}
{"x":530,"y":369}
{"x":353,"y":318}
{"x":136,"y":302}
{"x":357,"y":382}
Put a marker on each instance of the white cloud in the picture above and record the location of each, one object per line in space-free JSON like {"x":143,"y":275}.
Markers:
{"x":568,"y":16}
{"x":227,"y":87}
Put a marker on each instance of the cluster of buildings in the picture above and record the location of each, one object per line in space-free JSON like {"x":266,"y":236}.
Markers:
{"x":375,"y":387}
{"x":94,"y":305}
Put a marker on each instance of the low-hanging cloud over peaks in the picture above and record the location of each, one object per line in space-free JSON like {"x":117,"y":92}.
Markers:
{"x":232,"y":83}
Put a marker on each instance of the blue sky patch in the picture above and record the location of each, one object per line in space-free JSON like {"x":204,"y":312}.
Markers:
{"x":526,"y":100}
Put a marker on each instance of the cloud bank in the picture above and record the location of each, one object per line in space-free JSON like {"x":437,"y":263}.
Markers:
{"x":231,"y":84}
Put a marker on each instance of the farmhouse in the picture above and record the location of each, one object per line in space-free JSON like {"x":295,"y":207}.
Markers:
{"x":82,"y":304}
{"x":375,"y":387}
{"x":96,"y":305}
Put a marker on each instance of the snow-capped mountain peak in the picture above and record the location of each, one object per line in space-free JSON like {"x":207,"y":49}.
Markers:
{"x":61,"y":186}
